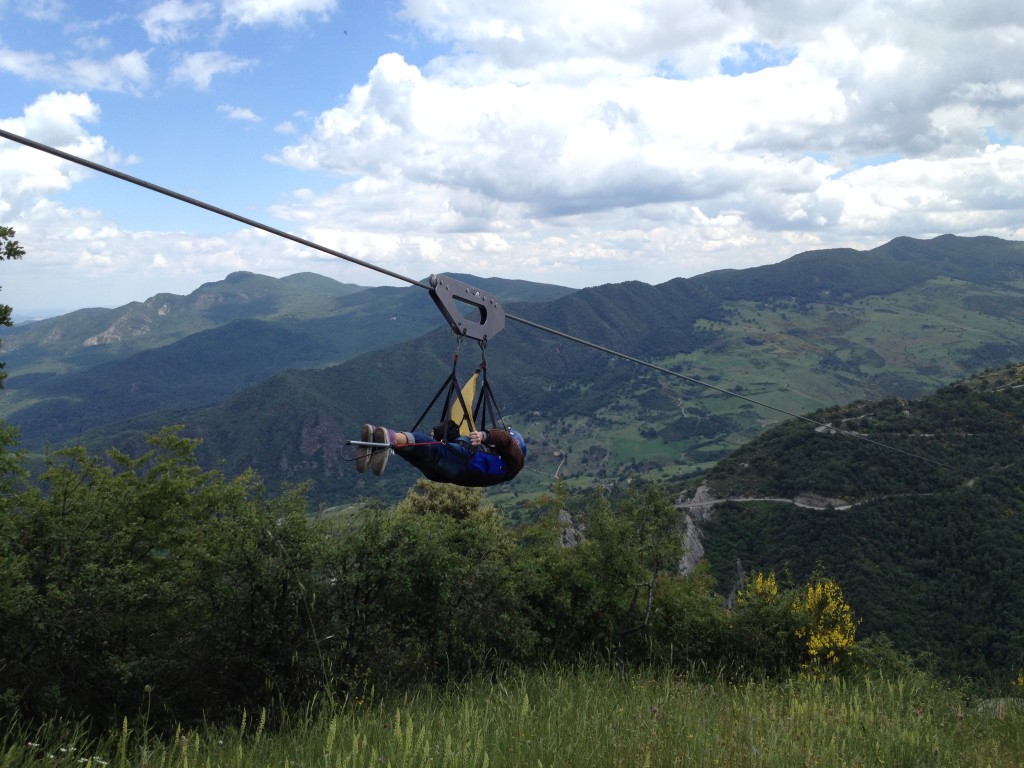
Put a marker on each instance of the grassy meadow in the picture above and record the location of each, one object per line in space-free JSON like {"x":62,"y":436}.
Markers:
{"x":585,"y":718}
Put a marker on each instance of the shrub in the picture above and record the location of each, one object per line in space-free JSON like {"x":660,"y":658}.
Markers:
{"x":764,"y":628}
{"x":828,"y":626}
{"x":428,"y":589}
{"x":147,"y":584}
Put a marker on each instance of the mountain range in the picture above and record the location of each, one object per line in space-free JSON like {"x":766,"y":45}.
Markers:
{"x":278,"y":374}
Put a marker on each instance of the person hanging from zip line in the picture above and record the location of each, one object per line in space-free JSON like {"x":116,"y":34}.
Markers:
{"x":479,"y":459}
{"x":457,"y":452}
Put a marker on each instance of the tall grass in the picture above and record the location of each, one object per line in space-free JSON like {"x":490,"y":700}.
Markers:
{"x":587,"y":718}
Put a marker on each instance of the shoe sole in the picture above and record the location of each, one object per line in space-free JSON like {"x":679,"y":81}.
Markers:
{"x":379,"y":459}
{"x":363,"y":451}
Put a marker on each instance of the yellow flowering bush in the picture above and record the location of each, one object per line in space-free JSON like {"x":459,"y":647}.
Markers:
{"x":830,"y":628}
{"x":761,"y":588}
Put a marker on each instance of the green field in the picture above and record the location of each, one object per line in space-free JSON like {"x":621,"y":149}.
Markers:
{"x":586,"y":718}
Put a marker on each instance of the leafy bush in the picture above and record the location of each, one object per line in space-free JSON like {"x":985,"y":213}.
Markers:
{"x":426,"y":590}
{"x":148,"y":586}
{"x":147,"y":583}
{"x":766,"y":624}
{"x":829,"y":627}
{"x":689,"y":623}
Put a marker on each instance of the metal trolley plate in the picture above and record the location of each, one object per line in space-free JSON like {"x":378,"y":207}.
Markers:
{"x":448,"y":294}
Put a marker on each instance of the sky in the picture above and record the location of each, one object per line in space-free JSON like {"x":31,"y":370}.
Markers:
{"x":574,"y":142}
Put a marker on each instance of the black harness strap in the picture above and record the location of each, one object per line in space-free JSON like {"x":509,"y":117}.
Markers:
{"x":485,"y":412}
{"x":452,"y":390}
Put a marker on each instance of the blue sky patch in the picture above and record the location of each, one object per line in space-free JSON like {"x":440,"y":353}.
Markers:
{"x":754,"y":56}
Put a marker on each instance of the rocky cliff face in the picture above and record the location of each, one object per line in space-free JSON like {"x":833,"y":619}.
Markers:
{"x":694,"y":510}
{"x":127,"y":326}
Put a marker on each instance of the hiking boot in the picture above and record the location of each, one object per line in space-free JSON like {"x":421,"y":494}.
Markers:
{"x":379,"y":459}
{"x":363,"y":451}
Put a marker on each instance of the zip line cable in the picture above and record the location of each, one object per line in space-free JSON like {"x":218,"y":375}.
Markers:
{"x":359,"y":262}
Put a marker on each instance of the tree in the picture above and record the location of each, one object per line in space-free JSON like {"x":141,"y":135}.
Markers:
{"x":11,"y":250}
{"x":654,"y":538}
{"x":609,"y":581}
{"x":148,"y":584}
{"x":428,"y":589}
{"x":765,"y":623}
{"x":12,"y":598}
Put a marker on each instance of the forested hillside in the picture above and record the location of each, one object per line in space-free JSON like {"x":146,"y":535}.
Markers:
{"x":915,"y":506}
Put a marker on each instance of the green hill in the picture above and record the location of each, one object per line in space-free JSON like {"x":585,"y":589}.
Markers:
{"x":915,"y":506}
{"x":88,"y":336}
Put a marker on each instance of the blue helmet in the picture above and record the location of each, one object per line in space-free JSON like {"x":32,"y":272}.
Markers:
{"x":519,"y":441}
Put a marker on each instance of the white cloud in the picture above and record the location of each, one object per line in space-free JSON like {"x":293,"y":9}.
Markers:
{"x":239,"y":113}
{"x":29,"y":65}
{"x":41,"y":10}
{"x":199,"y":69}
{"x":558,"y":150}
{"x":573,"y":118}
{"x":123,"y":73}
{"x":55,"y":119}
{"x":128,"y":72}
{"x":979,"y":193}
{"x":689,"y":36}
{"x":285,"y":12}
{"x":172,"y":21}
{"x":581,"y":142}
{"x":92,"y":43}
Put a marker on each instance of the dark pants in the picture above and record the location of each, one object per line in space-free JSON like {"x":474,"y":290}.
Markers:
{"x":455,"y":462}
